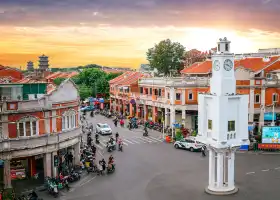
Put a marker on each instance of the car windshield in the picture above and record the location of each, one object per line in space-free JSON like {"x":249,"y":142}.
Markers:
{"x":104,"y":126}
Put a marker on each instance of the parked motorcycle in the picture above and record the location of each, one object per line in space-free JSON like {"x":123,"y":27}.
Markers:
{"x":52,"y":187}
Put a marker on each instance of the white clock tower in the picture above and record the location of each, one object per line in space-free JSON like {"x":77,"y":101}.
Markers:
{"x":222,"y":121}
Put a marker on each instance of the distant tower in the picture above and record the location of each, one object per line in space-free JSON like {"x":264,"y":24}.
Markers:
{"x":222,"y":121}
{"x":43,"y":62}
{"x":30,"y":66}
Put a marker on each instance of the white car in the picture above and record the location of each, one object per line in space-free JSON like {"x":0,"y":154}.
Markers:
{"x":189,"y":143}
{"x":103,"y":129}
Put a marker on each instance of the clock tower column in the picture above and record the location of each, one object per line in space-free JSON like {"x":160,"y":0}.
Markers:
{"x":223,"y":78}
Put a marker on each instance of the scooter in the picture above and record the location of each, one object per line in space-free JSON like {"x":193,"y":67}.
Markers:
{"x":111,"y":170}
{"x":111,"y":147}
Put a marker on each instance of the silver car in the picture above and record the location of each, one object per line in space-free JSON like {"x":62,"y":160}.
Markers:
{"x":103,"y":129}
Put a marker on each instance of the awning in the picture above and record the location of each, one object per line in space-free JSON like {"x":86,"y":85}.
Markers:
{"x":101,"y":100}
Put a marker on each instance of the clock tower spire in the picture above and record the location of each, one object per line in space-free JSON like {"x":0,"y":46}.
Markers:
{"x":223,"y":79}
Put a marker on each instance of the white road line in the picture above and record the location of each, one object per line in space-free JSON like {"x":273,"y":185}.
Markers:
{"x":145,"y":139}
{"x":265,"y":170}
{"x":99,"y":152}
{"x":128,"y":141}
{"x":87,"y":181}
{"x":125,"y":143}
{"x":250,"y":172}
{"x":100,"y":147}
{"x":135,"y":141}
{"x":140,"y":139}
{"x":155,"y":139}
{"x":277,"y":168}
{"x":103,"y":144}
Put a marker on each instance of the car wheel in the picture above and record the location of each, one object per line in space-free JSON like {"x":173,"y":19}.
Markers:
{"x":176,"y":146}
{"x":191,"y":149}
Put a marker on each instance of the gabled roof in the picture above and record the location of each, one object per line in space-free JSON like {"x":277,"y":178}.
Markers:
{"x":128,"y":78}
{"x":61,"y":75}
{"x":29,"y":80}
{"x":253,"y":64}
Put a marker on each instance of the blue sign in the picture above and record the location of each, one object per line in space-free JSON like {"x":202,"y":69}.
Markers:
{"x":271,"y":135}
{"x":269,"y":116}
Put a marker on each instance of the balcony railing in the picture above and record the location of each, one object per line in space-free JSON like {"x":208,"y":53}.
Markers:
{"x":175,"y":82}
{"x":16,"y":144}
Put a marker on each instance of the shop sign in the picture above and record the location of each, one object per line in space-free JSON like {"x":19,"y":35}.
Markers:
{"x":18,"y":174}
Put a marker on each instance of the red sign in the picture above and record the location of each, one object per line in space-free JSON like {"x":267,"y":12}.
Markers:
{"x":269,"y":146}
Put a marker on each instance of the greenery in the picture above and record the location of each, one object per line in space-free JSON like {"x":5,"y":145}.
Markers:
{"x":194,"y":133}
{"x":179,"y":135}
{"x":92,"y":81}
{"x":167,"y":57}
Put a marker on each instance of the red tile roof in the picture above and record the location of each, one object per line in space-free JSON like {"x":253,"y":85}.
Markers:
{"x":61,"y":75}
{"x":115,"y":71}
{"x":50,"y":88}
{"x":128,"y":78}
{"x":29,"y":80}
{"x":253,"y":64}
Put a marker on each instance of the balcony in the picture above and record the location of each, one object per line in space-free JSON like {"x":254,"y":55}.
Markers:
{"x":146,"y":97}
{"x":175,"y":82}
{"x":17,"y":144}
{"x":272,"y":83}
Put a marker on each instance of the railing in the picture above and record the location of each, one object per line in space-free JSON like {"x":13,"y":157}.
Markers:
{"x":21,"y":143}
{"x":179,"y":82}
{"x":272,"y":83}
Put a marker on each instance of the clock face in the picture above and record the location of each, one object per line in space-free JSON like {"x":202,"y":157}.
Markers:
{"x":216,"y":65}
{"x":228,"y":64}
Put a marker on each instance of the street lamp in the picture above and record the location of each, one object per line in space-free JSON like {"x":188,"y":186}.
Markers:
{"x":273,"y":113}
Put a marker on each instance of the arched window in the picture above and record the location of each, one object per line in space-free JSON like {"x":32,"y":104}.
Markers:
{"x":69,"y":120}
{"x":28,"y":126}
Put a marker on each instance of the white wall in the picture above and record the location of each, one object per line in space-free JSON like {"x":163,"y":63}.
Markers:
{"x":242,"y":74}
{"x":65,"y":92}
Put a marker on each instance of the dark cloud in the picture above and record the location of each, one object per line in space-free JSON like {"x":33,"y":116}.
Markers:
{"x":238,"y":14}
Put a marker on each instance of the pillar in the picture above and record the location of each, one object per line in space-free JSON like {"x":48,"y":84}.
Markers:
{"x":145,"y":112}
{"x":220,"y":170}
{"x":77,"y":148}
{"x":184,"y":117}
{"x":183,"y":97}
{"x":212,"y":168}
{"x":231,"y":169}
{"x":251,"y":102}
{"x":54,"y":169}
{"x":7,"y":174}
{"x":47,"y":164}
{"x":262,"y":106}
{"x":155,"y":117}
{"x":172,"y":116}
{"x":166,"y":117}
{"x":172,"y":96}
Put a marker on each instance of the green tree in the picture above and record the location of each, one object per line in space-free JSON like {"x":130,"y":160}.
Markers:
{"x":166,"y":56}
{"x":58,"y":81}
{"x":84,"y":91}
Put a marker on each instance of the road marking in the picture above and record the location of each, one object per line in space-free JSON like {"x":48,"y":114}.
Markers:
{"x":87,"y":181}
{"x":277,"y":168}
{"x":265,"y":170}
{"x":250,"y":172}
{"x":155,"y":139}
{"x":145,"y":139}
{"x":103,"y":144}
{"x":99,"y":152}
{"x":128,"y":141}
{"x":135,"y":141}
{"x":125,"y":143}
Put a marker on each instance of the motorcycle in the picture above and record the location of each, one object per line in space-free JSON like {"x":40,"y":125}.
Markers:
{"x":111,"y":170}
{"x":97,"y":141}
{"x":111,"y":146}
{"x":52,"y":187}
{"x":145,"y":133}
{"x":92,"y":114}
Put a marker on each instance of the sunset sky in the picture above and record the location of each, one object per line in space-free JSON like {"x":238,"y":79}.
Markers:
{"x":119,"y":32}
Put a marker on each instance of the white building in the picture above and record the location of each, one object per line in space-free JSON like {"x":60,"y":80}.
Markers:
{"x":222,"y":121}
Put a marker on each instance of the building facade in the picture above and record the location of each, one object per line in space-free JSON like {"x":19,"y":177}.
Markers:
{"x":174,"y":100}
{"x":38,"y":122}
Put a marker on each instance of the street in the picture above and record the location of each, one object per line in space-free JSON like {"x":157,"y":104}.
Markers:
{"x":150,"y":169}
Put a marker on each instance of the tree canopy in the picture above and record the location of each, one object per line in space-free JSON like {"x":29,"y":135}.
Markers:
{"x":166,"y":56}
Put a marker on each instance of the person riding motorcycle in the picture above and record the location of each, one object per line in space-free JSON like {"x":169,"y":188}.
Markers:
{"x":117,"y":136}
{"x":120,"y":143}
{"x":111,"y":162}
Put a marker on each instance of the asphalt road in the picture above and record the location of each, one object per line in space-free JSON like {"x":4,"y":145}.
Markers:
{"x":156,"y":170}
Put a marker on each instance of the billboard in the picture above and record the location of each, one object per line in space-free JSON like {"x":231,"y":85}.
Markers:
{"x":271,"y":134}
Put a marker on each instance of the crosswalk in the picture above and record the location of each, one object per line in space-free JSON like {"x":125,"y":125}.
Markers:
{"x":135,"y":140}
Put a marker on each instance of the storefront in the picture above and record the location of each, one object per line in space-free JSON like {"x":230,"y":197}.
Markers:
{"x":160,"y":115}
